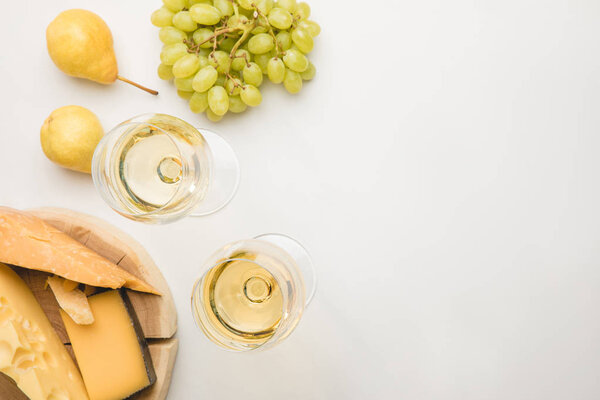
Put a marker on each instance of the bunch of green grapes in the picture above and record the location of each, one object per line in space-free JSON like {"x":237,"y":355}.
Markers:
{"x":217,"y":51}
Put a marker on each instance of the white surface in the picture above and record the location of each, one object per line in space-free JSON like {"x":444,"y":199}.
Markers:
{"x":442,"y":168}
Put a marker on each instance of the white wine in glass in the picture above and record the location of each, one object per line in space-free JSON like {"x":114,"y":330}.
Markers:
{"x":158,"y":168}
{"x":254,"y":292}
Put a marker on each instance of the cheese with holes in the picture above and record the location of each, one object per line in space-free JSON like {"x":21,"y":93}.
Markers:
{"x":31,"y":243}
{"x":30,"y":351}
{"x":112,"y":353}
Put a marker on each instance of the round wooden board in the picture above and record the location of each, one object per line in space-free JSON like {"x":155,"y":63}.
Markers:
{"x":157,"y":314}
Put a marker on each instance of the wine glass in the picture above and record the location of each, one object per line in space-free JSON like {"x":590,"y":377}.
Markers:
{"x":157,"y":168}
{"x":254,"y":292}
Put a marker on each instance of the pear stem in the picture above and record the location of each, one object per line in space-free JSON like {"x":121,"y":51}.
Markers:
{"x":137,"y":85}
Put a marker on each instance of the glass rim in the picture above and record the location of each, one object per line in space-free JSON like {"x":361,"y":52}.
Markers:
{"x":293,"y":306}
{"x":313,"y":291}
{"x":137,"y":121}
{"x":197,"y":290}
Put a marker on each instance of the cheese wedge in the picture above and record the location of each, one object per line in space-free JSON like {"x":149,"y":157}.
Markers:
{"x":74,"y":302}
{"x":112,"y":353}
{"x":29,"y":242}
{"x":30,"y":351}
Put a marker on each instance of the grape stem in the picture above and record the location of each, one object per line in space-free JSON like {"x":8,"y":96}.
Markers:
{"x":242,"y":39}
{"x":137,"y":85}
{"x":217,"y":33}
{"x":245,"y":57}
{"x":295,"y":20}
{"x":212,"y":53}
{"x":236,"y":11}
{"x":235,"y":84}
{"x":268,"y":26}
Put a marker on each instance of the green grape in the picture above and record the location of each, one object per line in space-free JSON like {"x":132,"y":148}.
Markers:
{"x":162,"y":17}
{"x":203,"y":52}
{"x":277,"y":36}
{"x":309,"y":73}
{"x":205,"y":79}
{"x":203,"y":61}
{"x":311,"y":27}
{"x":184,"y":95}
{"x":225,"y":7}
{"x":263,"y":60}
{"x":247,"y":4}
{"x":261,"y":43}
{"x":201,"y":36}
{"x":276,"y":70}
{"x":221,"y":80}
{"x":251,"y":96}
{"x":303,"y":10}
{"x":232,"y":86}
{"x":284,"y":39}
{"x":184,"y":84}
{"x":237,"y":21}
{"x":170,"y":35}
{"x":259,"y":29}
{"x":186,"y":66}
{"x":218,"y":100}
{"x":173,"y":52}
{"x":212,"y":116}
{"x":227,"y":44}
{"x":292,"y":81}
{"x":236,"y":105}
{"x":247,"y":12}
{"x":165,"y":72}
{"x":295,"y":60}
{"x":192,"y":2}
{"x":264,"y":6}
{"x":303,"y":40}
{"x":183,"y":20}
{"x":289,"y":5}
{"x":239,"y":62}
{"x":199,"y":102}
{"x":253,"y":74}
{"x":174,"y":5}
{"x":280,"y":18}
{"x":221,"y":61}
{"x":205,"y":14}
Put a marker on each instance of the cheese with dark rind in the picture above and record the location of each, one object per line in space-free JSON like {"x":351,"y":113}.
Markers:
{"x":31,"y":243}
{"x":112,"y":349}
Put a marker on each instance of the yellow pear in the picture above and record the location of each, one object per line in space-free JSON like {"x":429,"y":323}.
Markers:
{"x":69,"y":137}
{"x":81,"y":45}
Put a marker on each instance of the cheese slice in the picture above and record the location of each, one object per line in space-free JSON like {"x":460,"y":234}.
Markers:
{"x":30,"y":351}
{"x":29,"y":242}
{"x":74,"y":302}
{"x":112,"y":353}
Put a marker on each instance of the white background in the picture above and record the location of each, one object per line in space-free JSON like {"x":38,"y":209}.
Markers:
{"x":442,"y":169}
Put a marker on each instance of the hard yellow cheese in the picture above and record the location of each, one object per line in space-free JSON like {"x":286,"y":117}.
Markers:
{"x":31,"y":243}
{"x":30,"y":351}
{"x":112,"y":353}
{"x":74,"y":301}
